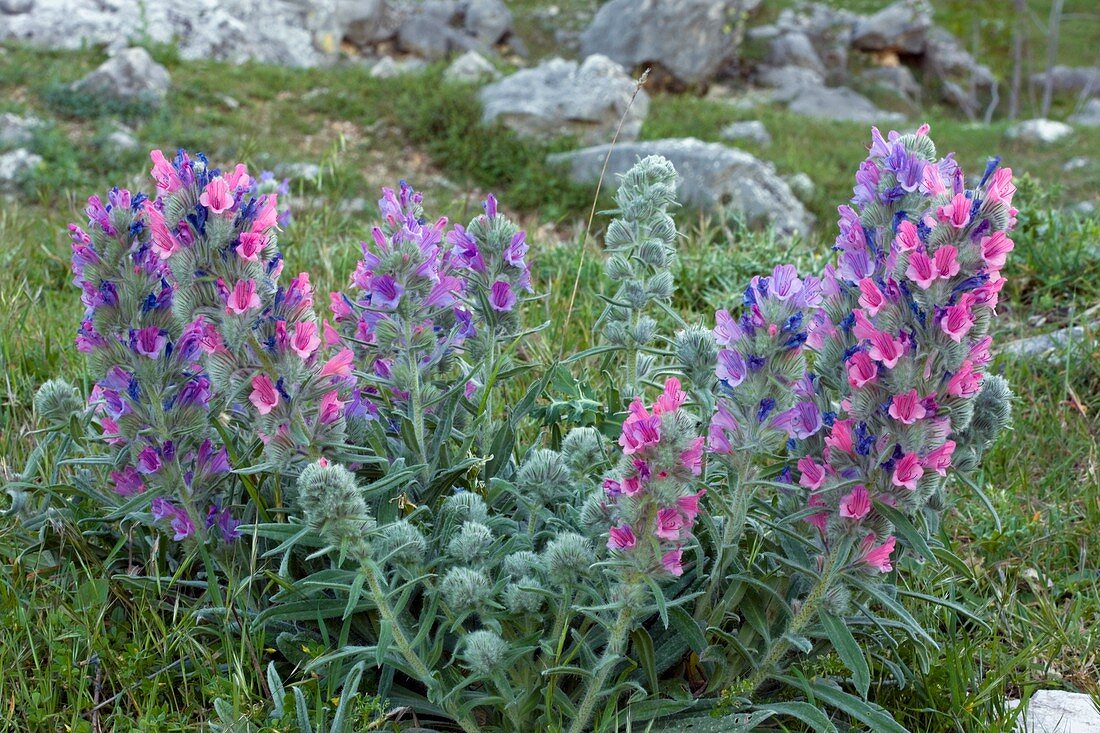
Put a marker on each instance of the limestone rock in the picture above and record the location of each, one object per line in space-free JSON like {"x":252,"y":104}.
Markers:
{"x":1056,"y":711}
{"x":1039,"y":131}
{"x":753,"y":131}
{"x":128,"y":76}
{"x":471,"y":68}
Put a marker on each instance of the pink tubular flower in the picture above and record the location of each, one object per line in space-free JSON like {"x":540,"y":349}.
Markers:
{"x":957,"y":320}
{"x":217,"y":196}
{"x":243,"y":298}
{"x":886,"y":349}
{"x":878,"y":557}
{"x":995,"y":249}
{"x":672,"y":561}
{"x":870,"y":296}
{"x":268,"y":215}
{"x":669,"y":522}
{"x":908,"y":471}
{"x":692,"y":458}
{"x":165,"y":244}
{"x":251,"y":244}
{"x":689,"y":505}
{"x":841,"y":436}
{"x":331,"y":408}
{"x":818,"y":519}
{"x":621,"y":538}
{"x":305,"y":341}
{"x":922,"y":270}
{"x":965,"y":382}
{"x":861,"y":369}
{"x":127,"y":481}
{"x":813,"y":474}
{"x":857,"y":504}
{"x":1001,"y":189}
{"x":339,"y":365}
{"x":501,"y":297}
{"x":907,"y":237}
{"x":264,"y":395}
{"x":939,"y":459}
{"x":956,"y":213}
{"x":239,"y":177}
{"x":932,"y":181}
{"x":165,"y":175}
{"x":907,"y":408}
{"x":863,"y":328}
{"x":946,"y":261}
{"x":671,"y":399}
{"x":640,"y":432}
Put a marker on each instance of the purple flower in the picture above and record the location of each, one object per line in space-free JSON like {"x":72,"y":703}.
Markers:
{"x":516,"y":250}
{"x":501,"y":297}
{"x":148,"y":460}
{"x":162,"y":508}
{"x":490,"y":206}
{"x":385,"y":292}
{"x":224,"y":521}
{"x":127,"y":482}
{"x":731,"y":367}
{"x":195,"y":393}
{"x":801,"y":421}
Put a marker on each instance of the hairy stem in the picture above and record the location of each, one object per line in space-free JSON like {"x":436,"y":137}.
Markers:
{"x":616,"y":644}
{"x":732,"y":529}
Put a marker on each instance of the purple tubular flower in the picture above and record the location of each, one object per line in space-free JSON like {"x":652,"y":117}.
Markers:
{"x":385,"y":292}
{"x":501,"y":297}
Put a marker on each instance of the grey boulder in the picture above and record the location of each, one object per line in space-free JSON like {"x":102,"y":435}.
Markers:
{"x":901,"y":28}
{"x":1089,"y":114}
{"x":713,"y":178}
{"x":129,"y":76}
{"x":837,"y":103}
{"x":560,"y":97}
{"x":1057,"y":711}
{"x":1039,"y":131}
{"x":15,"y":166}
{"x":471,"y":68}
{"x":1071,"y":79}
{"x":795,"y":49}
{"x":16,"y":130}
{"x":753,"y":131}
{"x":689,"y":40}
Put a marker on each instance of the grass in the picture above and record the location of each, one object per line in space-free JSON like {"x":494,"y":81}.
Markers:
{"x":74,"y":638}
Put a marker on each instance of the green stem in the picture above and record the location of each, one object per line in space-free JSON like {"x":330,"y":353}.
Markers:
{"x":616,"y":644}
{"x":401,"y":640}
{"x":804,"y":616}
{"x":416,"y":412}
{"x":733,"y":527}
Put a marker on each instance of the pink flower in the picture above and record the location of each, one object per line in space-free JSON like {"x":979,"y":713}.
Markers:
{"x":669,"y":522}
{"x":841,"y":436}
{"x":939,"y":459}
{"x":721,"y":425}
{"x":621,"y":538}
{"x":861,"y":369}
{"x":995,"y":249}
{"x":987,"y":294}
{"x":165,"y":175}
{"x":216,"y":196}
{"x":692,"y":458}
{"x":339,"y":365}
{"x":305,"y":340}
{"x":165,"y":244}
{"x":907,"y":238}
{"x":331,"y":408}
{"x":922,"y":270}
{"x":689,"y":505}
{"x":1000,"y":188}
{"x":878,"y":557}
{"x":251,"y":244}
{"x":671,"y":399}
{"x":785,"y":283}
{"x":857,"y":504}
{"x":268,"y":214}
{"x":979,"y":351}
{"x":632,"y":485}
{"x":726,"y":329}
{"x":813,"y":474}
{"x":886,"y":349}
{"x":639,"y":433}
{"x":957,"y":320}
{"x":239,"y":178}
{"x":965,"y":382}
{"x":819,"y":519}
{"x":264,"y":395}
{"x":148,"y":460}
{"x":946,"y":261}
{"x":870,"y":296}
{"x":956,"y":213}
{"x":932,"y":181}
{"x":907,"y":408}
{"x":908,"y":471}
{"x":863,"y":328}
{"x":243,"y":298}
{"x":672,"y":561}
{"x":338,"y":304}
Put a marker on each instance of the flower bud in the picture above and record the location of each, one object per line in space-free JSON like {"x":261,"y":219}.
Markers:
{"x":466,"y":505}
{"x":544,"y":476}
{"x":520,"y":600}
{"x":583,"y":450}
{"x":697,"y":354}
{"x":520,"y":564}
{"x":617,"y":268}
{"x":471,"y":544}
{"x":405,"y":543}
{"x":466,"y":590}
{"x":483,"y":652}
{"x":332,"y":503}
{"x":568,"y":557}
{"x":57,"y":400}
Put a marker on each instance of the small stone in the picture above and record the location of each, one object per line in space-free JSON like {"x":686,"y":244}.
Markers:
{"x":795,"y":49}
{"x":753,"y":131}
{"x":1089,"y":115}
{"x":128,"y":76}
{"x":1077,"y":163}
{"x":471,"y":68}
{"x":122,"y":139}
{"x":16,"y":130}
{"x":308,"y":171}
{"x":388,"y":68}
{"x":1057,"y":711}
{"x":1070,"y":79}
{"x":15,"y":166}
{"x":901,"y":27}
{"x":230,"y":102}
{"x":1039,"y":131}
{"x":1085,"y":208}
{"x":16,"y":7}
{"x":838,"y":103}
{"x":801,"y":185}
{"x":1051,"y":345}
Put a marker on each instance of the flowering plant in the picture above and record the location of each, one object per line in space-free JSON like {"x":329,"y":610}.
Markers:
{"x":769,"y":477}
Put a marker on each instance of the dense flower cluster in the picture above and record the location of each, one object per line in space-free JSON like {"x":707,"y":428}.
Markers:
{"x":262,"y":341}
{"x":765,"y":394}
{"x":652,"y":504}
{"x":152,"y":396}
{"x":902,"y":338}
